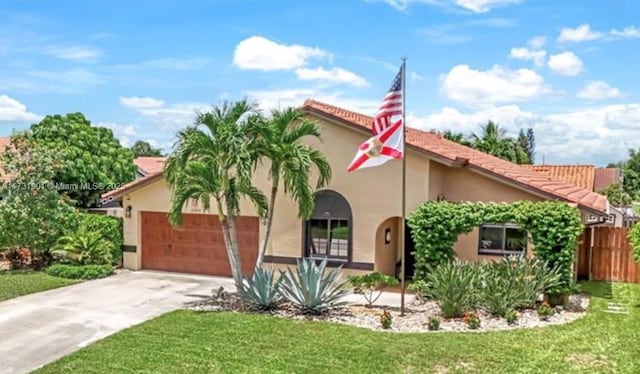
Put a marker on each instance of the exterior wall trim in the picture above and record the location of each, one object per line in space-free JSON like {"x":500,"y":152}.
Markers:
{"x":345,"y":265}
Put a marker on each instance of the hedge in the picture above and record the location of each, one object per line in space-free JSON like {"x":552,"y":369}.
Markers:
{"x":80,"y":271}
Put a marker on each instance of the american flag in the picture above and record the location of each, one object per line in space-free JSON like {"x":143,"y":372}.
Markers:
{"x":391,"y":106}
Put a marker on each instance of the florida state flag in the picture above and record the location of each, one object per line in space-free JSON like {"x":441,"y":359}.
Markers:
{"x":380,"y":148}
{"x":387,"y":142}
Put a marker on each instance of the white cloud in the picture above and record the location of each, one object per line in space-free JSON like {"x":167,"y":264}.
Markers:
{"x":79,"y":53}
{"x":475,"y":6}
{"x":524,"y":53}
{"x":273,"y":99}
{"x":570,"y":137}
{"x":627,"y":32}
{"x":13,"y":111}
{"x":259,"y":53}
{"x":566,"y":63}
{"x":599,"y":90}
{"x":537,"y":42}
{"x":584,"y":33}
{"x":581,"y":33}
{"x":124,"y":133}
{"x":165,"y":116}
{"x":415,"y":76}
{"x":496,"y":85}
{"x":333,"y":75}
{"x":136,"y":102}
{"x":463,"y":31}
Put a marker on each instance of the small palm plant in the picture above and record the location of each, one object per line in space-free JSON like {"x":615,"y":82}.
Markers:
{"x":83,"y":248}
{"x":312,"y":288}
{"x":262,"y":289}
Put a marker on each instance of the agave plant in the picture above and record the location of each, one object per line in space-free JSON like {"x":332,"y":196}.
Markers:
{"x":312,"y":288}
{"x":262,"y":289}
{"x":83,"y":248}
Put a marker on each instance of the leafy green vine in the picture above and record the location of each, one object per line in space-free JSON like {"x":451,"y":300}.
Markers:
{"x":553,"y":226}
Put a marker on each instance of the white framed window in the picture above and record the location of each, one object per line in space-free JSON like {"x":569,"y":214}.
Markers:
{"x":611,"y":218}
{"x":502,"y":240}
{"x":593,"y":218}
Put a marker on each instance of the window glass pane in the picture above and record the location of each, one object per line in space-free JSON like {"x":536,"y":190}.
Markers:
{"x":516,"y":239}
{"x":318,"y":236}
{"x":491,"y":237}
{"x":339,"y":238}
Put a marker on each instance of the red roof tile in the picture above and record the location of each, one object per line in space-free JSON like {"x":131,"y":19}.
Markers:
{"x":578,"y":175}
{"x":605,"y":177}
{"x":439,"y":148}
{"x":150,"y":165}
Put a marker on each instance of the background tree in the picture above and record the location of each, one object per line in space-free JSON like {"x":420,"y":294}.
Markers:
{"x":457,"y":137}
{"x":527,"y":142}
{"x":291,"y":163}
{"x":616,"y":195}
{"x":33,"y":214}
{"x":215,"y":160}
{"x":144,"y":149}
{"x":89,"y":156}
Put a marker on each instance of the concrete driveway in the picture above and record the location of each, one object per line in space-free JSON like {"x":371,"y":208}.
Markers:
{"x":39,"y":328}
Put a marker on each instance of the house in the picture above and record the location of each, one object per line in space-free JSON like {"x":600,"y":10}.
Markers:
{"x":356,"y":221}
{"x":148,"y":165}
{"x":596,"y":179}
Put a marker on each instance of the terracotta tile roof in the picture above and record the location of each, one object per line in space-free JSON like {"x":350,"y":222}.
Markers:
{"x":150,"y":165}
{"x":605,"y":177}
{"x":447,"y":151}
{"x":140,"y":182}
{"x":578,"y":175}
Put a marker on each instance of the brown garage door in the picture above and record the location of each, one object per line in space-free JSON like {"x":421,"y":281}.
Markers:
{"x":198,"y":247}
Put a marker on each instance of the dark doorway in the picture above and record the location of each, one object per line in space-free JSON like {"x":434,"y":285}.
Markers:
{"x":409,"y":259}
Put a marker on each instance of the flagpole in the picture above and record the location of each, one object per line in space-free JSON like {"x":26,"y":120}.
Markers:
{"x":404,"y":185}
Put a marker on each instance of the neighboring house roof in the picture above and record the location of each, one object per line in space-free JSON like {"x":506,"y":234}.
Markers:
{"x":149,"y":165}
{"x":450,"y":153}
{"x":605,"y":177}
{"x":578,"y":175}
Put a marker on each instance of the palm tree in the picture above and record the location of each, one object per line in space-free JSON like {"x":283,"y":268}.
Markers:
{"x":216,"y":158}
{"x":290,"y":162}
{"x":494,"y":141}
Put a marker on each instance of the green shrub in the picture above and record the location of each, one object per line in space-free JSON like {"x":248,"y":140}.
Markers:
{"x":454,"y":285}
{"x":472,"y":320}
{"x":433,"y":323}
{"x":262,"y":289}
{"x":634,"y":237}
{"x":511,"y":316}
{"x":371,"y":285}
{"x":545,"y":311}
{"x":421,"y":289}
{"x":386,"y":319}
{"x":110,"y":228}
{"x":83,"y":248}
{"x":515,"y":282}
{"x":80,"y":271}
{"x":312,"y":288}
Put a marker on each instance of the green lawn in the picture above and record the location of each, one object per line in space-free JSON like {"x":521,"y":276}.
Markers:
{"x":190,"y":342}
{"x":14,"y":284}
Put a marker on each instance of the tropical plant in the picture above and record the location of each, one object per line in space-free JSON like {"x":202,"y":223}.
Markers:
{"x":420,"y":288}
{"x":515,"y":282}
{"x":215,"y":160}
{"x":144,"y":149}
{"x":454,"y":285}
{"x":386,"y":319}
{"x":511,"y":316}
{"x":91,"y":159}
{"x":312,"y":288}
{"x":371,"y":285}
{"x":262,"y":289}
{"x":433,"y":323}
{"x":83,"y":248}
{"x":472,"y":320}
{"x":291,"y":163}
{"x":545,"y":311}
{"x":109,"y":228}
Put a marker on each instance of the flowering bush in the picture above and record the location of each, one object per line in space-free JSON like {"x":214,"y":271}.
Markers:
{"x":386,"y":320}
{"x":472,"y":320}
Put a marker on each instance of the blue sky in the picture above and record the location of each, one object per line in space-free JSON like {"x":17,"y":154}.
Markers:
{"x":566,"y":68}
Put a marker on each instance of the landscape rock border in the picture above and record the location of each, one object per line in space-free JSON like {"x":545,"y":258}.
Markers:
{"x":414,"y":321}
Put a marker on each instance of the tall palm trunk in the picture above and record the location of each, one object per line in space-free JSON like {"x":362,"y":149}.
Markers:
{"x":268,"y":222}
{"x":231,"y":243}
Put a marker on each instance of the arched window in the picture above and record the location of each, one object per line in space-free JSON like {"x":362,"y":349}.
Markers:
{"x":329,"y":230}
